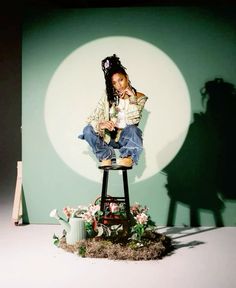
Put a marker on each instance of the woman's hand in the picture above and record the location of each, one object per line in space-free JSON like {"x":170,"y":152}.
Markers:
{"x":107,"y":125}
{"x":129,"y":92}
{"x":131,"y":95}
{"x":126,"y":93}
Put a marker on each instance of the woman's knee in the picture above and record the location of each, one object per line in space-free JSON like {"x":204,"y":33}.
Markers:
{"x":133,"y":129}
{"x":88,"y":130}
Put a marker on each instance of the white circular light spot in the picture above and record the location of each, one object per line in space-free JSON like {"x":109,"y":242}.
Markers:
{"x":78,"y":83}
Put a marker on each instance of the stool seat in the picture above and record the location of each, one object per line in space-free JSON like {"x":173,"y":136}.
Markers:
{"x":115,"y":167}
{"x":105,"y":199}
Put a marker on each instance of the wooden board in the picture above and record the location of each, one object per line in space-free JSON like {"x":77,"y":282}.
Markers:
{"x":17,"y":205}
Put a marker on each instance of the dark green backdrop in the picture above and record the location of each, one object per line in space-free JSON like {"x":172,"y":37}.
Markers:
{"x":194,"y":188}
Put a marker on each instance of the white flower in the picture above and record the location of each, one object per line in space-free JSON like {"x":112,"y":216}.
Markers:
{"x":54,"y":214}
{"x":107,"y":64}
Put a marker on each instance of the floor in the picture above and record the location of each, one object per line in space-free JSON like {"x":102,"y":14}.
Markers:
{"x":204,"y":257}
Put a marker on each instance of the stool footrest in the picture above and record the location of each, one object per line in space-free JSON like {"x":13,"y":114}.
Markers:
{"x":110,"y":221}
{"x":115,"y":219}
{"x":114,"y":199}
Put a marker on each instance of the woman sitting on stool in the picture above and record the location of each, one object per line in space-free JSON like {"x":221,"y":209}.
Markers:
{"x":114,"y":122}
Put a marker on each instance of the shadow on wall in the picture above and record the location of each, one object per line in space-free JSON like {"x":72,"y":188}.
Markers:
{"x":202,"y":174}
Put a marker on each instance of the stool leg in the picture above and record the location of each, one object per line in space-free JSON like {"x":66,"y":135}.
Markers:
{"x":104,"y":188}
{"x":126,"y":192}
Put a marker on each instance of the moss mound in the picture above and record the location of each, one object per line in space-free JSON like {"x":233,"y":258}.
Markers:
{"x":148,"y":249}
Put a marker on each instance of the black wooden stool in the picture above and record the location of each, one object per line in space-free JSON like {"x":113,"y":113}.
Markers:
{"x":106,"y":199}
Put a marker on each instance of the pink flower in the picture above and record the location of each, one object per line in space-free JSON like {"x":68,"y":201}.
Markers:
{"x":93,"y":209}
{"x":114,"y":207}
{"x":135,"y":209}
{"x":142,"y":218}
{"x":88,"y":217}
{"x":68,"y":211}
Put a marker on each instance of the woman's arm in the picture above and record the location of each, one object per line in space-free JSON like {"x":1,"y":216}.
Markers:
{"x":135,"y":108}
{"x":99,"y":115}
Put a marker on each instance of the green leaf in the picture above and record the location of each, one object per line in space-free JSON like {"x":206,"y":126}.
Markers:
{"x":54,"y":236}
{"x":56,"y":242}
{"x":56,"y":239}
{"x":82,"y":251}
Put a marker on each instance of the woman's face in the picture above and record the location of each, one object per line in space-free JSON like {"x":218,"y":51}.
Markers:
{"x":120,"y":82}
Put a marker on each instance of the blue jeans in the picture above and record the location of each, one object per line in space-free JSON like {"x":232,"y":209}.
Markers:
{"x":129,"y":144}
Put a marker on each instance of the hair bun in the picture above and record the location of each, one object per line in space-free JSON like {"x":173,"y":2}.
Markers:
{"x":111,"y":62}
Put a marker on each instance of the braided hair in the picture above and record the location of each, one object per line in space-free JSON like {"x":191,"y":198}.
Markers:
{"x":110,"y":66}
